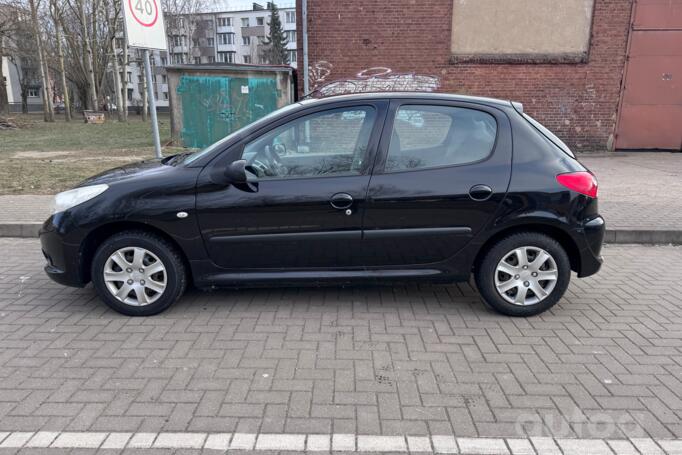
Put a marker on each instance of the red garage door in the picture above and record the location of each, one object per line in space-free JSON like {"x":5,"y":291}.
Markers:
{"x":651,"y":110}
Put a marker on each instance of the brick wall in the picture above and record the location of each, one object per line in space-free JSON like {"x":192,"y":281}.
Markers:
{"x":578,"y":101}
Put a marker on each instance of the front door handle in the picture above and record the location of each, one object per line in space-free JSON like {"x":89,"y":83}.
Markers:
{"x":341,"y":201}
{"x":480,"y":192}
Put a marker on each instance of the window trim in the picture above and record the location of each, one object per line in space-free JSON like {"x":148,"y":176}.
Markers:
{"x":382,"y":155}
{"x":367,"y":165}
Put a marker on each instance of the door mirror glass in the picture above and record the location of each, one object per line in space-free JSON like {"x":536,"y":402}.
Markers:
{"x":242,"y":176}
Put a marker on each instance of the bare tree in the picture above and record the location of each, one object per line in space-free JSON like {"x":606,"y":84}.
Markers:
{"x":22,"y":56}
{"x":56,"y":12}
{"x":8,"y":23}
{"x":48,"y":109}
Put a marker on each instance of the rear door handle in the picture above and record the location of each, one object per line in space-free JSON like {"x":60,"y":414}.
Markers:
{"x":341,"y":201}
{"x":480,"y":192}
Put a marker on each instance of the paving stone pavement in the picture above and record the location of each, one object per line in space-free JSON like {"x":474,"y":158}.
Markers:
{"x":639,"y":190}
{"x":359,"y":368}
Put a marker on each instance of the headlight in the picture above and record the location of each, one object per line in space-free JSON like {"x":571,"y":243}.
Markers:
{"x":71,"y":198}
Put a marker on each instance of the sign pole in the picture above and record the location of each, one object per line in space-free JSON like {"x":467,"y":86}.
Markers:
{"x":152,"y":104}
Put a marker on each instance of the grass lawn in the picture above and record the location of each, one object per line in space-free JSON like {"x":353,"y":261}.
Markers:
{"x":44,"y":158}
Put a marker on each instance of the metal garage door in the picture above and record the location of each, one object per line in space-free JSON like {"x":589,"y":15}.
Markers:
{"x":651,"y":109}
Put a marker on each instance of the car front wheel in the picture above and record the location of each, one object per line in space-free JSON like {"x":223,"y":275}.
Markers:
{"x":524,"y":274}
{"x":137,"y":273}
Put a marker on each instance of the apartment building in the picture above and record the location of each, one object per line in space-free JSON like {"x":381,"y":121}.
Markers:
{"x":210,"y":37}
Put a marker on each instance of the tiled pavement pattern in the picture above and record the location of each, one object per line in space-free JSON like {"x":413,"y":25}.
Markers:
{"x":605,"y":364}
{"x":637,"y":191}
{"x":25,"y":208}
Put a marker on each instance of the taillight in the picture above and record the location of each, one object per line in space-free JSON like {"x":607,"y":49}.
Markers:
{"x":581,"y":182}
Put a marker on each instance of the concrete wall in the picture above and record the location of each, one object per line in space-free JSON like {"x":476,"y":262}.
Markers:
{"x":577,"y":100}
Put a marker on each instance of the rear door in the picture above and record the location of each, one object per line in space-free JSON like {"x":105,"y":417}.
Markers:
{"x":442,"y":170}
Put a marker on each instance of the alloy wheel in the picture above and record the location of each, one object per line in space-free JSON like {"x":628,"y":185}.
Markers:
{"x":135,"y":276}
{"x":526,"y":275}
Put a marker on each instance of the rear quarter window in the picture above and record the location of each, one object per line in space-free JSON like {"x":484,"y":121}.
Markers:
{"x":434,"y":136}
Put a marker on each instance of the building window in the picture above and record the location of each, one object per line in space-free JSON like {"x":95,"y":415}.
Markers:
{"x":211,"y":59}
{"x":195,"y":42}
{"x":164,"y":79}
{"x":130,"y":77}
{"x":246,"y":40}
{"x":33,"y":92}
{"x":247,"y":59}
{"x":179,"y":40}
{"x":260,"y":21}
{"x":224,"y":22}
{"x":225,"y":38}
{"x":291,"y":35}
{"x":292,"y":56}
{"x":165,"y":96}
{"x":164,"y":61}
{"x":245,"y":21}
{"x":226,"y":57}
{"x":197,"y":60}
{"x":210,"y":42}
{"x":290,"y":17}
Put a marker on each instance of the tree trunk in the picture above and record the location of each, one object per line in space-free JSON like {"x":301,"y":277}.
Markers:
{"x":62,"y":70}
{"x":48,"y":112}
{"x":89,"y":69}
{"x":24,"y":100}
{"x":124,"y":82}
{"x":117,"y":84}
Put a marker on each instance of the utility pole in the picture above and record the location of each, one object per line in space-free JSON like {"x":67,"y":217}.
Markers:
{"x":152,"y":104}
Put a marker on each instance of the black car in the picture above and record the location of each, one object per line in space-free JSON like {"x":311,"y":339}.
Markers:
{"x":359,"y":188}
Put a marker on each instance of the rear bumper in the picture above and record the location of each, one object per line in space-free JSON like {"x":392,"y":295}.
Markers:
{"x":593,"y":232}
{"x":63,"y":259}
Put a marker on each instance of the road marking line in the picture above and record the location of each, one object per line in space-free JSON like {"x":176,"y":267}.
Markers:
{"x":333,"y":443}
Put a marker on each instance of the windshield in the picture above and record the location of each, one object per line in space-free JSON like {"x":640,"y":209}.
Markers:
{"x":549,"y":135}
{"x":219,"y":144}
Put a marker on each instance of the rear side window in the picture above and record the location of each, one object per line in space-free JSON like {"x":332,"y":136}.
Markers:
{"x":435,"y":136}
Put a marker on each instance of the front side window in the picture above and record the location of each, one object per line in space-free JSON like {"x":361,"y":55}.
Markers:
{"x":328,"y":143}
{"x":435,"y":136}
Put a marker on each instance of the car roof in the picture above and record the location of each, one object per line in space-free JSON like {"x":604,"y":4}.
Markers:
{"x":410,"y":95}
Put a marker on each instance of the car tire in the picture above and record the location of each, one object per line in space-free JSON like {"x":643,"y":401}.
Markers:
{"x":516,"y":288}
{"x":150,"y":267}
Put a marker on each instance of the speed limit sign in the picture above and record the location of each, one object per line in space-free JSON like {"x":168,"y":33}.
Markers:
{"x":144,"y":24}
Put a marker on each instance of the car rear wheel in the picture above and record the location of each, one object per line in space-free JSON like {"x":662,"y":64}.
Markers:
{"x":137,"y":273}
{"x":524,"y":274}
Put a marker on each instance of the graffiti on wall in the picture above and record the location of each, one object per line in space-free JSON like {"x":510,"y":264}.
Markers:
{"x":374,"y":79}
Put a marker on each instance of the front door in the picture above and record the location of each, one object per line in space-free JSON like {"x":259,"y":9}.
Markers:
{"x":313,"y":173}
{"x":442,"y":171}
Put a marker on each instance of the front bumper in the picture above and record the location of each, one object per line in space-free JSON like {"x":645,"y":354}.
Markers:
{"x":593,"y":232}
{"x":63,"y":258}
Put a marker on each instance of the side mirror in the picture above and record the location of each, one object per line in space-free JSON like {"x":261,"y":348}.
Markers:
{"x":242,"y":176}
